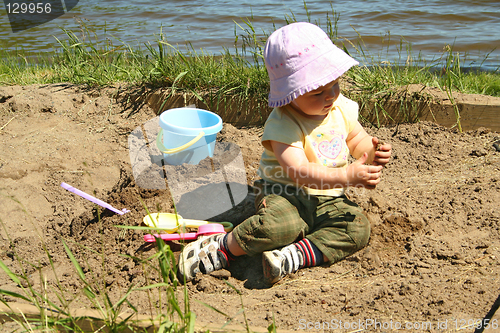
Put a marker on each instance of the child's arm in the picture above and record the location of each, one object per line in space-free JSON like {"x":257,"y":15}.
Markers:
{"x":294,"y":161}
{"x":360,"y":142}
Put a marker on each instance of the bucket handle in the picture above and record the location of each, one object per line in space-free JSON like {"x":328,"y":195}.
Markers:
{"x":165,"y":150}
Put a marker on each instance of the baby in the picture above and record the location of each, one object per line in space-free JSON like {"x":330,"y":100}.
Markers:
{"x":303,"y":217}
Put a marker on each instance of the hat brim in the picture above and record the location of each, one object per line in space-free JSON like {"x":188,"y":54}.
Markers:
{"x":324,"y":69}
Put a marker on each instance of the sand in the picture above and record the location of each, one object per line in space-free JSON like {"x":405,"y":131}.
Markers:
{"x":433,"y":257}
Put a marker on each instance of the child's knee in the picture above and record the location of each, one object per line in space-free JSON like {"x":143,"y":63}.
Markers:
{"x":269,"y":232}
{"x":359,"y":231}
{"x":273,"y":226}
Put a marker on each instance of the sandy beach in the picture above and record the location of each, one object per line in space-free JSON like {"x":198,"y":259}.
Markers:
{"x":433,"y":256}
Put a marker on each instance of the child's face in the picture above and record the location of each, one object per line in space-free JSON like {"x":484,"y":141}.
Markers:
{"x":317,"y":103}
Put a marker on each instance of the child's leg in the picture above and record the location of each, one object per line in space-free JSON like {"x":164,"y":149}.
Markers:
{"x":289,"y":259}
{"x":338,"y":229}
{"x":276,"y":223}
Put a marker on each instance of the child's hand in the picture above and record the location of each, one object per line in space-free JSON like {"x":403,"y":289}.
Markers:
{"x":382,"y":152}
{"x":360,"y":174}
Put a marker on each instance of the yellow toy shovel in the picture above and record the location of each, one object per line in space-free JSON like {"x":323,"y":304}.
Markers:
{"x":171,"y":222}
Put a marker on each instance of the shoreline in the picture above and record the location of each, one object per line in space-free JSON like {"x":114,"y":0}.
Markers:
{"x":211,"y":29}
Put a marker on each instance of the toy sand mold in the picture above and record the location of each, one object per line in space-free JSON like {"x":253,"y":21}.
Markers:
{"x":203,"y":185}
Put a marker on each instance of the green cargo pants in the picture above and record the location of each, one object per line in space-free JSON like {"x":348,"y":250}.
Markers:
{"x":335,"y":225}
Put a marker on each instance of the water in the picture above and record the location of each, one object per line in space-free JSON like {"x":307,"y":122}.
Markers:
{"x":472,"y":27}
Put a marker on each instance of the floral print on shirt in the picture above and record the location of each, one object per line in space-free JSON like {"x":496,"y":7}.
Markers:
{"x":330,"y":147}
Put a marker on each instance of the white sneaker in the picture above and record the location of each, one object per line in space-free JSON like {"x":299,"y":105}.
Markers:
{"x":202,"y":255}
{"x":278,"y":263}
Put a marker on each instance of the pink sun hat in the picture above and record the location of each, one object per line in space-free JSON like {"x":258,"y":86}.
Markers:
{"x":300,"y":57}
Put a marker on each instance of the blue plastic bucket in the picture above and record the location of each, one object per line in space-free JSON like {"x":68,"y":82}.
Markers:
{"x":187,"y":135}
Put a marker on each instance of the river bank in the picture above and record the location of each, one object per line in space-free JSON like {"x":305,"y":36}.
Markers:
{"x":424,"y":27}
{"x":384,"y":91}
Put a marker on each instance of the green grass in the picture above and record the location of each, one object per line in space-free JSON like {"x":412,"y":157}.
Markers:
{"x":56,"y":305}
{"x":238,"y":77}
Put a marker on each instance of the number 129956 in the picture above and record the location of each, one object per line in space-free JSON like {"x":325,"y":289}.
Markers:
{"x":28,"y":8}
{"x":477,"y":323}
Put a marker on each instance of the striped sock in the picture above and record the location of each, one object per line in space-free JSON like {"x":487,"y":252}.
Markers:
{"x":225,"y":249}
{"x":310,"y":252}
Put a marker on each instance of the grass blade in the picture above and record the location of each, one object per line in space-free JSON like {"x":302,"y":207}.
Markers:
{"x":12,"y":276}
{"x":213,"y":308}
{"x":14,"y":294}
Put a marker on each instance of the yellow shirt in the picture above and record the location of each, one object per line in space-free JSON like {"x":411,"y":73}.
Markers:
{"x":323,"y":141}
